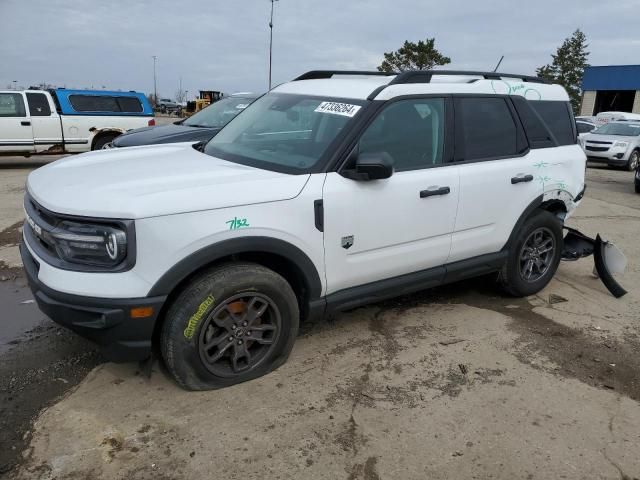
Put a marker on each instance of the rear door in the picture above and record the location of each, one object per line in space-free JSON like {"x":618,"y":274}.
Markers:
{"x":45,"y":122}
{"x":15,"y":124}
{"x":498,"y":176}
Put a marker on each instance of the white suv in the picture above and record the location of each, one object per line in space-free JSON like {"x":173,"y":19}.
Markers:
{"x":332,"y":191}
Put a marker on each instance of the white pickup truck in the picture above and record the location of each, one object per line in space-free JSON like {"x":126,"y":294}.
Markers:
{"x":67,"y":121}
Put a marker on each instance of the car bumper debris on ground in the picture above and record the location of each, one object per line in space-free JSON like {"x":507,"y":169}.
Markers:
{"x":455,"y":382}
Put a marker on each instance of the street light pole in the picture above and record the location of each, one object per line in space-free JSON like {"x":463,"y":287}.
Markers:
{"x":155,"y":85}
{"x":271,"y":41}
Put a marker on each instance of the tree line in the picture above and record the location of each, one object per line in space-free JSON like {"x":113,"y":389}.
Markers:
{"x":566,"y":68}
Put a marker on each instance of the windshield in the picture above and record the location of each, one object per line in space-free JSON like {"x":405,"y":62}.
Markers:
{"x":622,"y":129}
{"x":284,"y":132}
{"x":218,"y":114}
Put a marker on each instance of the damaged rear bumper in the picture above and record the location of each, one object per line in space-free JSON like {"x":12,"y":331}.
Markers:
{"x":608,"y":258}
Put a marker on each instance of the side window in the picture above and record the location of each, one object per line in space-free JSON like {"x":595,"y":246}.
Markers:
{"x":93,"y":103}
{"x":410,"y":131}
{"x":12,"y":105}
{"x":488,"y":128}
{"x":557,"y":116}
{"x":38,"y":104}
{"x":129,"y":105}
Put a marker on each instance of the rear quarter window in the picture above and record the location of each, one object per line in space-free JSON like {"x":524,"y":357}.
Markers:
{"x":558,"y":118}
{"x":129,"y":104}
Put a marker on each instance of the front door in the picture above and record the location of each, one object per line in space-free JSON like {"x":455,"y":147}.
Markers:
{"x":15,"y":124}
{"x":375,"y":230}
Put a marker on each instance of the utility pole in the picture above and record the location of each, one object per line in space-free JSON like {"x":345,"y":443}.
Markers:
{"x":15,"y":84}
{"x":155,"y":85}
{"x":271,"y":41}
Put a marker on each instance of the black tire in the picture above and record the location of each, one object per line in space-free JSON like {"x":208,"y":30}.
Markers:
{"x":102,"y":140}
{"x":637,"y":186}
{"x":513,"y":275}
{"x":634,"y":160}
{"x":202,"y":313}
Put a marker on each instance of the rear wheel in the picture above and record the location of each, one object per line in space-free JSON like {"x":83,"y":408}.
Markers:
{"x":102,"y":141}
{"x":535,"y":255}
{"x":234,"y":323}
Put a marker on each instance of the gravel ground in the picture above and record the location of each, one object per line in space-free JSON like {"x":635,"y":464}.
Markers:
{"x":455,"y":382}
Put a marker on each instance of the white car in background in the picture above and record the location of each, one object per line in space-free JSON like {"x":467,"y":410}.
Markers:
{"x":606,"y":117}
{"x":616,"y":143}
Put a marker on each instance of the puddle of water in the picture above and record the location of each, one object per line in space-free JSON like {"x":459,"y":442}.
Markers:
{"x":17,"y":318}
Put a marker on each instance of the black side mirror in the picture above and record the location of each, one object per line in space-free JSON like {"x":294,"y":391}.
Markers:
{"x":371,"y":166}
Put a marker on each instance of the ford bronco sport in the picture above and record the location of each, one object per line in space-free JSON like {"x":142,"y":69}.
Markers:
{"x":332,"y":191}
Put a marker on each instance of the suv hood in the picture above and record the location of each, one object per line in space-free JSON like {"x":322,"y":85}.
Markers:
{"x":151,"y":181}
{"x":594,"y":137}
{"x":164,"y":134}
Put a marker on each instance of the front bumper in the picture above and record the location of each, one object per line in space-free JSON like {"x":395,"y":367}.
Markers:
{"x":613,"y":157}
{"x":105,"y":321}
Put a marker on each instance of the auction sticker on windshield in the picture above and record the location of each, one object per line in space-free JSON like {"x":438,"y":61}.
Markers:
{"x":344,"y":109}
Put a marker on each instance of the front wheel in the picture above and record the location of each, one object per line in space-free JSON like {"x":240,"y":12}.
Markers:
{"x":534,"y":256}
{"x":231,"y":324}
{"x":634,"y":160}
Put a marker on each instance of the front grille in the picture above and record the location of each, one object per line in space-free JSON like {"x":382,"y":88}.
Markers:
{"x":45,"y":222}
{"x":600,"y":143}
{"x":597,"y":149}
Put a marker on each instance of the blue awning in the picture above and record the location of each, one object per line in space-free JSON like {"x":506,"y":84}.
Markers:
{"x":612,"y":77}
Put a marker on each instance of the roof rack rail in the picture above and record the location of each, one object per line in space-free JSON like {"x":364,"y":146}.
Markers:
{"x":424,"y":76}
{"x":321,"y":74}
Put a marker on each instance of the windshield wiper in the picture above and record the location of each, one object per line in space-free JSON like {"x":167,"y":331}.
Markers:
{"x":201,"y":126}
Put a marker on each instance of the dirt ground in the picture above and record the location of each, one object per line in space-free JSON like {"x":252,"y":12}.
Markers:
{"x":455,"y":382}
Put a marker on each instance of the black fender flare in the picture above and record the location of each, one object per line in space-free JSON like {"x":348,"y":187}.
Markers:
{"x":523,"y":217}
{"x":236,"y":246}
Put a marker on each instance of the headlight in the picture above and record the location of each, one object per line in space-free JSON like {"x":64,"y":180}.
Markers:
{"x":79,"y":243}
{"x":89,"y":244}
{"x":621,"y":144}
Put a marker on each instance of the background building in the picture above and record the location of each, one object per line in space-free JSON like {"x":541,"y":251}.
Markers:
{"x":611,"y":88}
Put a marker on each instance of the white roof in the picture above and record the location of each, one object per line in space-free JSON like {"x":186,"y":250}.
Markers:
{"x":341,"y":87}
{"x":360,"y":87}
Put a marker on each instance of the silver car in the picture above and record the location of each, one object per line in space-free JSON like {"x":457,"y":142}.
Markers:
{"x":616,"y":143}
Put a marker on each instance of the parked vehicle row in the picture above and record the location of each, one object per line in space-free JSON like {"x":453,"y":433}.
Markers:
{"x":67,"y":121}
{"x":331,"y":191}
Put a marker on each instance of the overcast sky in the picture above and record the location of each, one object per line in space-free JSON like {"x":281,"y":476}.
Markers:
{"x":223,"y":44}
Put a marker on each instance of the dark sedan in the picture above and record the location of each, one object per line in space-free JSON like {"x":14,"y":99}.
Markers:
{"x":201,"y":126}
